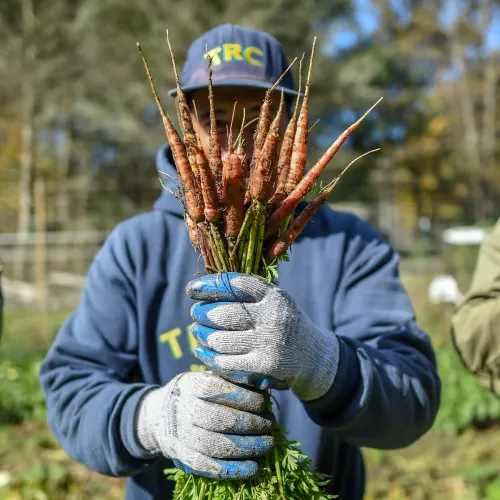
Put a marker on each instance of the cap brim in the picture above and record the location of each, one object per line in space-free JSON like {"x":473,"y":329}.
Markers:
{"x":256,"y":84}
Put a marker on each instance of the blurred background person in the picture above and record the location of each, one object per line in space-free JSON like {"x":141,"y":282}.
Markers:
{"x":476,"y":323}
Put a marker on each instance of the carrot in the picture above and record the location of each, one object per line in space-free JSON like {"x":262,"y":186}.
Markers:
{"x":230,"y":143}
{"x":190,"y":188}
{"x":286,"y":153}
{"x":198,"y":139}
{"x":209,"y":257}
{"x":233,"y":195}
{"x":211,"y":203}
{"x":192,"y":231}
{"x":293,"y":199}
{"x":265,"y":119}
{"x":264,"y":174}
{"x":215,"y":152}
{"x":190,"y":139}
{"x":280,"y":246}
{"x":240,"y":150}
{"x":299,"y":151}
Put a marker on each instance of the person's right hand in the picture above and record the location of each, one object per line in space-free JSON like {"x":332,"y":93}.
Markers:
{"x":206,"y":425}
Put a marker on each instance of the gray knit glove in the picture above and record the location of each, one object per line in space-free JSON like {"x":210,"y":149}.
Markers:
{"x":253,"y":333}
{"x":206,"y":425}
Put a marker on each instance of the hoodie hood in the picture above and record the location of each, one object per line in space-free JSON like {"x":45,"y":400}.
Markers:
{"x":170,"y":179}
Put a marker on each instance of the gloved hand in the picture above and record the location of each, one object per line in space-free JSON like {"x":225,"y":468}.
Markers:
{"x":253,"y":333}
{"x":206,"y":425}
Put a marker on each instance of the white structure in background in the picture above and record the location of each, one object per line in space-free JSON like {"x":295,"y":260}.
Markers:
{"x":464,"y":235}
{"x":443,"y":289}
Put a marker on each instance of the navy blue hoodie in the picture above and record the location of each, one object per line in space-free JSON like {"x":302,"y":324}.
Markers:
{"x":131,"y":332}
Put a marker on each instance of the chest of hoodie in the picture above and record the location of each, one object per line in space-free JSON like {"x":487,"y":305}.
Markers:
{"x":168,"y":262}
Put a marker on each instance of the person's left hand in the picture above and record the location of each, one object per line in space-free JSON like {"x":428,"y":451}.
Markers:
{"x":253,"y":333}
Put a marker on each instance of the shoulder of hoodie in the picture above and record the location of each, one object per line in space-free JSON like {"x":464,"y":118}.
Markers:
{"x":144,"y":231}
{"x":328,"y":222}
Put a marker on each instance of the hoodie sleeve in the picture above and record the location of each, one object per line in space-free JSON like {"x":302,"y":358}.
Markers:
{"x":386,"y":391}
{"x":476,"y":322}
{"x":88,"y":372}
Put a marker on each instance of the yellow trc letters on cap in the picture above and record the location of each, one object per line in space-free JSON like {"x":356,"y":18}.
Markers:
{"x":235,"y":52}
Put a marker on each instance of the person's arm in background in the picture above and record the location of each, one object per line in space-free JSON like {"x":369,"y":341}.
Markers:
{"x":476,"y":322}
{"x":372,"y":380}
{"x":86,"y":375}
{"x":394,"y":398}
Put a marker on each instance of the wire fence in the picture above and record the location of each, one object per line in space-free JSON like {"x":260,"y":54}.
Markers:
{"x":46,"y":265}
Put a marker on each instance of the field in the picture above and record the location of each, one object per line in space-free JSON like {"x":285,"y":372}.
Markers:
{"x":458,"y":459}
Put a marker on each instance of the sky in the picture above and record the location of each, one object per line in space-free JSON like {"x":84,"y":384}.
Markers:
{"x":343,"y":37}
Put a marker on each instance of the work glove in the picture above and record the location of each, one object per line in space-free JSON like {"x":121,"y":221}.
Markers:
{"x":206,"y":425}
{"x":253,"y":333}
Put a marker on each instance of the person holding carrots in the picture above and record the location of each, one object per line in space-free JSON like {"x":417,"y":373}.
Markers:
{"x":126,"y":383}
{"x":476,"y":321}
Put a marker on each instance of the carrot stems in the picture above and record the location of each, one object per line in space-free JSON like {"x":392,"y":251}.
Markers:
{"x":243,"y":231}
{"x":215,"y":253}
{"x":259,"y":242}
{"x":221,"y":249}
{"x":252,"y":237}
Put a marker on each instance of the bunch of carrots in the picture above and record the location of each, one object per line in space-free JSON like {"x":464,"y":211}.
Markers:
{"x":240,"y":212}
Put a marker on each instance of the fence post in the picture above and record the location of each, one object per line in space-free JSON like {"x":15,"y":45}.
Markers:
{"x":41,"y":279}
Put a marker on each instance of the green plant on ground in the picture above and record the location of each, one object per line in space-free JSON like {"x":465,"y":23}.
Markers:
{"x":21,"y":397}
{"x":463,"y":400}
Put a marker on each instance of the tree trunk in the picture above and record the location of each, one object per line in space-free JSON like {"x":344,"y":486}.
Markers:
{"x":471,"y":131}
{"x":27,"y":138}
{"x":489,"y":111}
{"x":63,"y":194}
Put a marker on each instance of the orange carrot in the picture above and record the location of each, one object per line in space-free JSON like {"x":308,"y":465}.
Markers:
{"x":233,"y":195}
{"x":215,"y":152}
{"x":190,"y":139}
{"x":208,"y":188}
{"x":192,"y":231}
{"x":190,"y":188}
{"x":263,"y":176}
{"x":240,"y":150}
{"x":299,"y":151}
{"x":286,"y":153}
{"x":265,"y":119}
{"x":281,"y":244}
{"x":206,"y":251}
{"x":293,"y":199}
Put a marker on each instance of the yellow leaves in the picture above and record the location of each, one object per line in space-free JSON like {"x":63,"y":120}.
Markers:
{"x":428,"y":181}
{"x":447,"y":171}
{"x":462,"y":190}
{"x":437,"y":125}
{"x":407,"y":208}
{"x":449,"y":210}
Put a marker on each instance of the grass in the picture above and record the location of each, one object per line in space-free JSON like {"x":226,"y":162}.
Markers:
{"x":457,"y":459}
{"x":32,"y":465}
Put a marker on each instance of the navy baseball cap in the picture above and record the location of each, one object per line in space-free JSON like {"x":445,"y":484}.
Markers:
{"x":240,"y":58}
